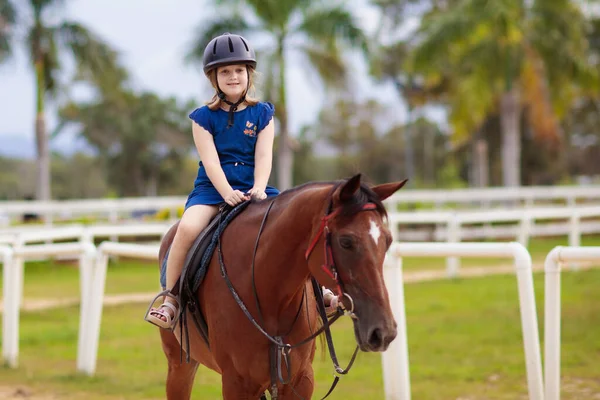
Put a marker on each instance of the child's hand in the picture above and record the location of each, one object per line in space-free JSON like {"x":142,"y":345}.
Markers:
{"x":235,"y":197}
{"x":257,"y":193}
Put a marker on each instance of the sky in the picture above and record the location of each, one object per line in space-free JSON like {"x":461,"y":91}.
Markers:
{"x":152,"y":37}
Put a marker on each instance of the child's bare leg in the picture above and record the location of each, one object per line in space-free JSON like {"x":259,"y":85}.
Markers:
{"x":193,"y":221}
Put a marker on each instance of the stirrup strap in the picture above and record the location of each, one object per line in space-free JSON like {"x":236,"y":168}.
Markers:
{"x":170,"y":307}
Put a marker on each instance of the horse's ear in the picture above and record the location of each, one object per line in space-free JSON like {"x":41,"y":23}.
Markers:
{"x":350,"y":188}
{"x":387,"y":189}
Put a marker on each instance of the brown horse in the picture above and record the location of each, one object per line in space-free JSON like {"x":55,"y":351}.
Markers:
{"x":335,"y":232}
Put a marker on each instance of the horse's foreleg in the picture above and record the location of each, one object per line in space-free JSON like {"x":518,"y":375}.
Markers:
{"x":180,"y":378}
{"x":303,"y":387}
{"x":236,"y":388}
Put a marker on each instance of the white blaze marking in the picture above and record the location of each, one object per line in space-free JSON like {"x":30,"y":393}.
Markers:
{"x":375,"y":232}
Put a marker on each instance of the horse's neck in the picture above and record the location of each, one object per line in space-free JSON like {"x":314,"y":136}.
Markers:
{"x":292,"y":231}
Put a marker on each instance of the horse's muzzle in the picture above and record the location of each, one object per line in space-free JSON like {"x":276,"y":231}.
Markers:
{"x":379,"y":339}
{"x":376,"y":337}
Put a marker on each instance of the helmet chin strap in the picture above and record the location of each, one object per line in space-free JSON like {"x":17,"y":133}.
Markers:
{"x":232,"y":106}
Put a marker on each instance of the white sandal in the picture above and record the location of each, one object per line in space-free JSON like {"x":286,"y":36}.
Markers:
{"x":153,"y":315}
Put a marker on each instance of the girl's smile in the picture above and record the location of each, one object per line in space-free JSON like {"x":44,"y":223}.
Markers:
{"x":233,"y":81}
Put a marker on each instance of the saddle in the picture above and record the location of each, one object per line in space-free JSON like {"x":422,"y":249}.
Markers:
{"x":194,"y":270}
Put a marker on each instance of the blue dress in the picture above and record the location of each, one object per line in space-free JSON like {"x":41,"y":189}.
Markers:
{"x":235,"y":146}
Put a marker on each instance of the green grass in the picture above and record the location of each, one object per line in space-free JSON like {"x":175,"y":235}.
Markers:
{"x":55,"y":279}
{"x":464,"y":342}
{"x":50,"y":279}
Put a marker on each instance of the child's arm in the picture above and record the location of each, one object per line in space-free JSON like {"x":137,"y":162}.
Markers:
{"x":263,"y":156}
{"x":210,"y":160}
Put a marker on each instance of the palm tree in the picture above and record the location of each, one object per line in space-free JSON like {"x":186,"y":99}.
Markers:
{"x":388,"y":63}
{"x":506,"y":56}
{"x":315,"y":29}
{"x":95,"y":60}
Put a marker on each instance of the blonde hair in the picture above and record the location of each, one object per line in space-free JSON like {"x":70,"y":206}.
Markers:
{"x":215,"y":102}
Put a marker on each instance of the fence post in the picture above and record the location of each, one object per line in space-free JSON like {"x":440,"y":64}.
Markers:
{"x":86,"y":265}
{"x":113,"y":218}
{"x":453,"y":236}
{"x":98,"y":282}
{"x":531,"y":336}
{"x":10,"y":349}
{"x":524,"y":228}
{"x":575,"y":235}
{"x":396,"y":375}
{"x":552,"y":311}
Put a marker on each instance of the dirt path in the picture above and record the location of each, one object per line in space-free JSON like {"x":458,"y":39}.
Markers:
{"x":22,"y":392}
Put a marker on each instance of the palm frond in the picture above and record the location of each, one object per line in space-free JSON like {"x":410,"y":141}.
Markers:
{"x":328,"y":63}
{"x":471,"y":100}
{"x":467,"y":23}
{"x":96,"y":61}
{"x":51,"y":64}
{"x":331,"y":25}
{"x":8,"y":17}
{"x":40,"y":5}
{"x":536,"y":94}
{"x":275,"y":14}
{"x":394,"y":10}
{"x":389,"y":61}
{"x":435,"y":35}
{"x":487,"y":52}
{"x":559,"y":35}
{"x":43,"y":51}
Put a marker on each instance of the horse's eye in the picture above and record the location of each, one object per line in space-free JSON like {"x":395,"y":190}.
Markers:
{"x":346,"y":242}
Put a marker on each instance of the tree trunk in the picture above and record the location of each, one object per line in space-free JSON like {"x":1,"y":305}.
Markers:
{"x":41,"y":138}
{"x":480,"y":163}
{"x":285,"y":157}
{"x":429,"y":156}
{"x":511,"y":138}
{"x":409,"y":159}
{"x":43,"y":159}
{"x":152,"y":186}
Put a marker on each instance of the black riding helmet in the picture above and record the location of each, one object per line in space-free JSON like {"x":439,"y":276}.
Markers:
{"x":228,"y":49}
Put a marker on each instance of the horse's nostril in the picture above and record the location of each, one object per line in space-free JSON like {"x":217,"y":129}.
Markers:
{"x":376,"y":339}
{"x":390,"y":337}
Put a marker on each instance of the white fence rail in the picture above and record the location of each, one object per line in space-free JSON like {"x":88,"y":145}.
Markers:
{"x":455,"y":230}
{"x":552,"y":310}
{"x":395,"y":359}
{"x":485,"y":197}
{"x":112,"y":209}
{"x":11,"y":236}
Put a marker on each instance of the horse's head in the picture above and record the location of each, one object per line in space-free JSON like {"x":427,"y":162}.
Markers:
{"x":354,"y":232}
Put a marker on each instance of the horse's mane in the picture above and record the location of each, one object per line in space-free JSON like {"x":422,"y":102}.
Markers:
{"x":361,"y":197}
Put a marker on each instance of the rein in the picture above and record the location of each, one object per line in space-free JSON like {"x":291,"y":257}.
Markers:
{"x":280,"y":351}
